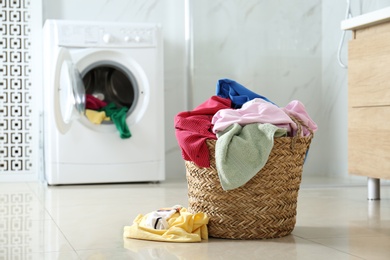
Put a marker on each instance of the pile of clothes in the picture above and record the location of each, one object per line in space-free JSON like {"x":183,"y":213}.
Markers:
{"x":174,"y":224}
{"x":244,"y":124}
{"x":98,"y":111}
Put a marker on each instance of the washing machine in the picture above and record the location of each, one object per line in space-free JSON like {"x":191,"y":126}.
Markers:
{"x":119,"y":63}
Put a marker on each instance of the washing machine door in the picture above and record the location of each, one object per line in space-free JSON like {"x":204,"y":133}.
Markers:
{"x":69,"y":92}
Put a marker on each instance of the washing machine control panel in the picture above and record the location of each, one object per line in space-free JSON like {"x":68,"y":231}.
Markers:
{"x":107,"y":35}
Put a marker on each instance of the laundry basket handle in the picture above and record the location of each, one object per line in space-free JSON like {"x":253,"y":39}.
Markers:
{"x":299,"y":134}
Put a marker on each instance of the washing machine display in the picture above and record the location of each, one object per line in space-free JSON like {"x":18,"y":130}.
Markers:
{"x":114,"y":63}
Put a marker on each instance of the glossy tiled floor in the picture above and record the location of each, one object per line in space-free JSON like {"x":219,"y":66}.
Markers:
{"x":86,"y":222}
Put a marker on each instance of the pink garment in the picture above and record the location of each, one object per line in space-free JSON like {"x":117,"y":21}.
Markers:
{"x":261,"y":111}
{"x":254,"y":111}
{"x":192,"y":128}
{"x":94,"y":103}
{"x":298,"y":110}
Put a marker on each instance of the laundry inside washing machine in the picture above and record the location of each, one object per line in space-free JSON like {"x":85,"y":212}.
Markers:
{"x":110,"y":96}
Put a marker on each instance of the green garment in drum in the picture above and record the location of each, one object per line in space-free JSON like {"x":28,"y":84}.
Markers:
{"x":118,"y":117}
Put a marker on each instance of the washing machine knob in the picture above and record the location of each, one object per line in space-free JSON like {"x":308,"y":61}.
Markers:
{"x":127,"y":38}
{"x":137,"y":38}
{"x":107,"y":38}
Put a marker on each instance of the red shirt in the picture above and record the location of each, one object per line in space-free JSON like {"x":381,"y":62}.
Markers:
{"x":194,"y":127}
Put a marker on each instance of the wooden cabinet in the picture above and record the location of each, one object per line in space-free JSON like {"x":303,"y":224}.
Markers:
{"x":369,"y":101}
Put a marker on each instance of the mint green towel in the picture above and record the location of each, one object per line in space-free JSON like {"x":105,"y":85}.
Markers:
{"x":242,"y":151}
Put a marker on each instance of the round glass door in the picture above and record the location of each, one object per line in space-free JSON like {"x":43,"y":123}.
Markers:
{"x":69,"y":88}
{"x":111,"y":95}
{"x":111,"y":83}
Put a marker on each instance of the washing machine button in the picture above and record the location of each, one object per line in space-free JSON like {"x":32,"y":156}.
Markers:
{"x":107,"y":38}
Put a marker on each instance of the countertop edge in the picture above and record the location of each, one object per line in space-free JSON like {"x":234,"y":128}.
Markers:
{"x":365,"y":20}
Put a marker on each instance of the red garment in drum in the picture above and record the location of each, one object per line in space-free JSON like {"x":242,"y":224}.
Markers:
{"x":192,"y":128}
{"x":93,"y":102}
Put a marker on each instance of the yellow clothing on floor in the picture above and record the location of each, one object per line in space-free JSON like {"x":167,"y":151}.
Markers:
{"x":183,"y":227}
{"x":96,"y":117}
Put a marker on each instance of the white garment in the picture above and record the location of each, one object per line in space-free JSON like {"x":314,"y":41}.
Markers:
{"x":158,"y":219}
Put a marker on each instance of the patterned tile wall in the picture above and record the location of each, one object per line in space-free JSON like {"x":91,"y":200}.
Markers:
{"x":16,"y":110}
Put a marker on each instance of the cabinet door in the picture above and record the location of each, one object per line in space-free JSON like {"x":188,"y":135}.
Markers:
{"x":369,"y":141}
{"x":369,"y":70}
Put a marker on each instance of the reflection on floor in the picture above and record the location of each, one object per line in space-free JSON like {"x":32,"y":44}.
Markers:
{"x":334,"y":221}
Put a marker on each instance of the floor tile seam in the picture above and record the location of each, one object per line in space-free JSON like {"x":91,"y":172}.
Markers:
{"x":63,"y":234}
{"x":47,"y":251}
{"x":28,"y":190}
{"x":330,"y":247}
{"x":380,"y":236}
{"x":40,"y":205}
{"x":53,"y":251}
{"x":28,"y":255}
{"x":13,"y":190}
{"x":317,"y":186}
{"x":55,"y":216}
{"x":341,"y":185}
{"x":41,"y":199}
{"x":58,"y":227}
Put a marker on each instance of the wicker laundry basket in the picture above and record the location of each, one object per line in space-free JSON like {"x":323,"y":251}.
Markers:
{"x":265,"y":207}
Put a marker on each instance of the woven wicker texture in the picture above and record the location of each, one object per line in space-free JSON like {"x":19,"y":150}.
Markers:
{"x":265,"y":207}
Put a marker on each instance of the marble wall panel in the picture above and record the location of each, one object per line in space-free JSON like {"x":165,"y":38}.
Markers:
{"x":271,"y":47}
